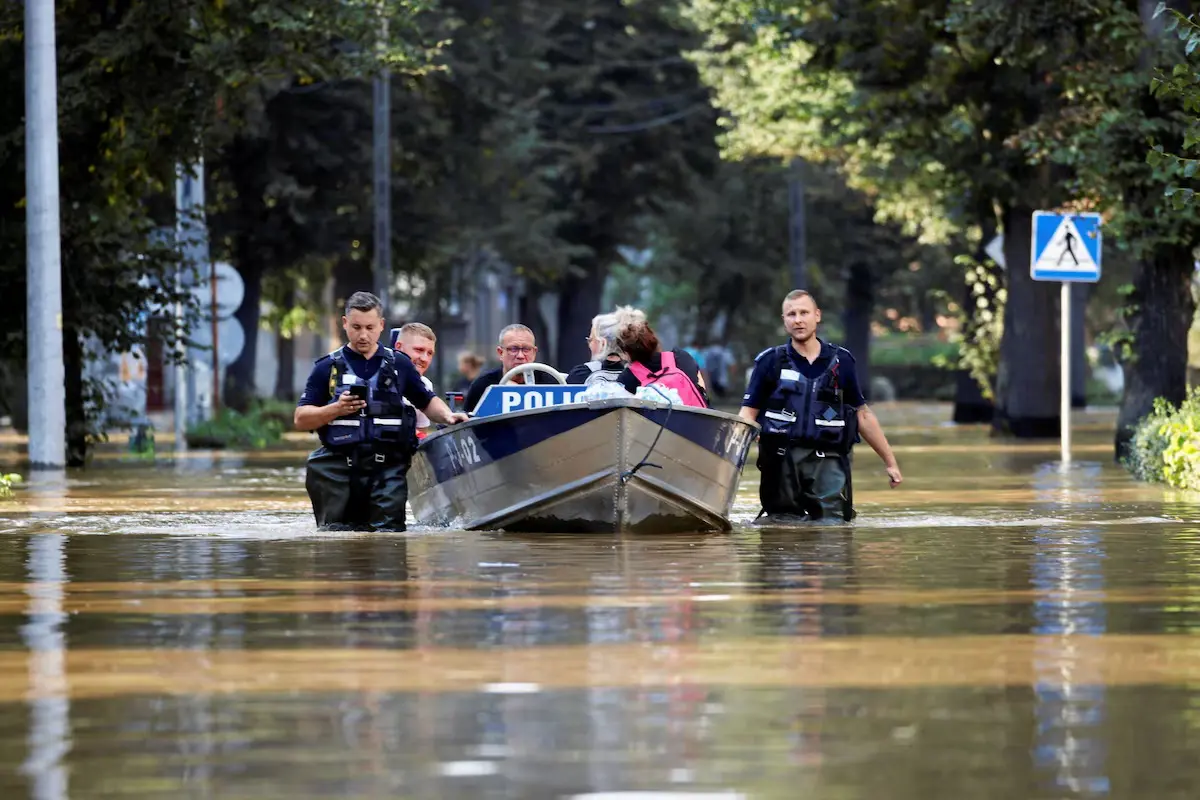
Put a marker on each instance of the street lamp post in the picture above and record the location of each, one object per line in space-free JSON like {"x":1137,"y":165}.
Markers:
{"x":43,"y":276}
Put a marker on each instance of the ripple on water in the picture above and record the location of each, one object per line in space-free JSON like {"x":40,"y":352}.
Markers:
{"x":221,"y":524}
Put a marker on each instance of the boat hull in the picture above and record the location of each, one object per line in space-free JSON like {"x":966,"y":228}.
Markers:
{"x":575,"y":468}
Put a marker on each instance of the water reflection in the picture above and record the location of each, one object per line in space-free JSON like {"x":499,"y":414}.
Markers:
{"x":1004,"y":628}
{"x":49,"y":739}
{"x":1070,"y":749}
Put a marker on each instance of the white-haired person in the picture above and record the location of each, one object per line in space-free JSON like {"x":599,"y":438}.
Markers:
{"x":607,"y":361}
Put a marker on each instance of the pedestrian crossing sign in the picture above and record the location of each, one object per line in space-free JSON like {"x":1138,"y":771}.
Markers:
{"x":1066,"y":247}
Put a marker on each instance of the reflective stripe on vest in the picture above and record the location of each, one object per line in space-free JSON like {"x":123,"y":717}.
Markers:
{"x":807,"y":411}
{"x":387,"y":427}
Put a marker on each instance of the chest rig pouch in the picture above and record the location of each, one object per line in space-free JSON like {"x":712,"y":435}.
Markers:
{"x":387,"y":423}
{"x":810,"y":412}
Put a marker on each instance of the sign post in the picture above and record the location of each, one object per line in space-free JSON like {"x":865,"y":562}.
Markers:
{"x":1065,"y":248}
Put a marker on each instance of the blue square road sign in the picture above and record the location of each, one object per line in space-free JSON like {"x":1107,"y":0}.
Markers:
{"x":1065,"y":247}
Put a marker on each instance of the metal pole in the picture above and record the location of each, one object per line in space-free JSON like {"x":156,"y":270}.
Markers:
{"x":181,"y":375}
{"x":797,"y":238}
{"x":216,"y":359}
{"x":1064,"y":367}
{"x":43,"y":270}
{"x":383,"y":189}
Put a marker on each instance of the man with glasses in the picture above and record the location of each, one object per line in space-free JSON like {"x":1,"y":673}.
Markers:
{"x":517,"y":346}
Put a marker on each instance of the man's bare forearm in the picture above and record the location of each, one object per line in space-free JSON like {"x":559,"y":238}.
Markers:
{"x":438,"y":411}
{"x":872,"y":433}
{"x":748,"y":414}
{"x":309,"y":418}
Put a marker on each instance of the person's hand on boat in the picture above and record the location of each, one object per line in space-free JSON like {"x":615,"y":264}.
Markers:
{"x":438,"y":411}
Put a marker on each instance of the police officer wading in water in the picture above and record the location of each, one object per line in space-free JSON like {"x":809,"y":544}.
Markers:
{"x":806,"y":397}
{"x":354,"y":400}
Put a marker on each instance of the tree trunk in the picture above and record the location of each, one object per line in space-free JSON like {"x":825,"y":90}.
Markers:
{"x":239,"y":376}
{"x":285,"y":372}
{"x":1080,"y":369}
{"x":856,"y":319}
{"x":285,"y":350}
{"x":1028,"y":376}
{"x":579,"y":301}
{"x":529,"y":314}
{"x":1165,"y":310}
{"x":76,"y":433}
{"x":350,"y":276}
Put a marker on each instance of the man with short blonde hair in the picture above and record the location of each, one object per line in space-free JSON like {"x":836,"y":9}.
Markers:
{"x":418,"y":341}
{"x":805,"y":395}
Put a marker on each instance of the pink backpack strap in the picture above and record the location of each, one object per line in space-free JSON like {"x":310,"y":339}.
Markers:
{"x":668,"y":360}
{"x":639,"y":371}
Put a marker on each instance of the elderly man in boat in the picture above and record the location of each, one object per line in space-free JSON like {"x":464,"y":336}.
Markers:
{"x":516,"y":346}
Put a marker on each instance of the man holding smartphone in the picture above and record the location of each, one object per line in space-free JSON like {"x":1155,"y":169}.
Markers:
{"x":354,"y":400}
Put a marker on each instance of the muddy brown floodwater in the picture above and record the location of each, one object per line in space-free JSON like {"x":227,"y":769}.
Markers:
{"x":999,"y":627}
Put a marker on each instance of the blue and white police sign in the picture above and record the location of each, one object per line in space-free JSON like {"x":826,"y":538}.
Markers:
{"x":517,"y":397}
{"x":1065,"y":247}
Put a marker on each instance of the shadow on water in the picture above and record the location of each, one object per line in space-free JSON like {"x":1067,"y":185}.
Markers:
{"x":1000,"y":626}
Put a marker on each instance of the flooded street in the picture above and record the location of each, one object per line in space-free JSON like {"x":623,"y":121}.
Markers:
{"x":998,"y":627}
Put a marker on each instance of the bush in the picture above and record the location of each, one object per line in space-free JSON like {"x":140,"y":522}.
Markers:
{"x":909,"y":351}
{"x":250,"y":431}
{"x":1166,"y":444}
{"x":6,"y":484}
{"x":280,"y":411}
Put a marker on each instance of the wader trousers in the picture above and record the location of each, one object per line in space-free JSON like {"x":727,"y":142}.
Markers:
{"x":801,"y":481}
{"x":354,"y":491}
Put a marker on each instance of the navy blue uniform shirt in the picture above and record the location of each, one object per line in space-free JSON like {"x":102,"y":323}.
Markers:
{"x":316,"y":391}
{"x":766,"y":374}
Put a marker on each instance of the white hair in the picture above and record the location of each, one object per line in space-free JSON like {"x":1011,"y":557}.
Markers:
{"x":608,"y":326}
{"x":507,"y":329}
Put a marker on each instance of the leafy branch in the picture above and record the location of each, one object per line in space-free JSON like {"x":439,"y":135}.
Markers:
{"x":1182,"y":84}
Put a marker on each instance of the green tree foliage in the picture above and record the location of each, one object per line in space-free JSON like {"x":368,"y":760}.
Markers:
{"x":722,"y":255}
{"x":7,"y":482}
{"x":142,"y":85}
{"x":982,"y":112}
{"x":1100,"y":134}
{"x":922,"y":101}
{"x":291,"y":196}
{"x":627,"y":123}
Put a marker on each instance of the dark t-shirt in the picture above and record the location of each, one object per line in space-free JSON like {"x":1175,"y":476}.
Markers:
{"x":316,"y":390}
{"x":683,"y":359}
{"x":491,"y":378}
{"x":579,"y":374}
{"x":766,"y":372}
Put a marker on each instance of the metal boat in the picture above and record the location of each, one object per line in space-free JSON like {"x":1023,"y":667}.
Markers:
{"x":544,"y":459}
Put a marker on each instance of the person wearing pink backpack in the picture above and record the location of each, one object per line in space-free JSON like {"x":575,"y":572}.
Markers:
{"x":672,"y":375}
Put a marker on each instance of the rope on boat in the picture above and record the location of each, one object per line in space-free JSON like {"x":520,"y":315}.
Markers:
{"x":628,"y":474}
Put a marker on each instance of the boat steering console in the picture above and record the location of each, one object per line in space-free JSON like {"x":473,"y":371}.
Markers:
{"x":527,"y":370}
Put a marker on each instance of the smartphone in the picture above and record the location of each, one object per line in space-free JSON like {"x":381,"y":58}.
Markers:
{"x":358,"y":391}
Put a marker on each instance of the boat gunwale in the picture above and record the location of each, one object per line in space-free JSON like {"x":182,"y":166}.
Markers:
{"x":604,"y":404}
